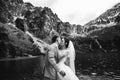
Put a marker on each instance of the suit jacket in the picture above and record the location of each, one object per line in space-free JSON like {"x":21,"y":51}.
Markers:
{"x":51,"y":67}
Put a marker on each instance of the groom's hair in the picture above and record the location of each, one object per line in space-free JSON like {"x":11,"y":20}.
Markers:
{"x":66,"y":42}
{"x":54,"y":39}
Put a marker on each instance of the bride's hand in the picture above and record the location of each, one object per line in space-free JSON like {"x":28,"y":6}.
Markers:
{"x":62,"y":73}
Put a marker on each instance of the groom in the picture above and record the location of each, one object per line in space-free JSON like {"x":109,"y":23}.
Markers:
{"x":51,"y":67}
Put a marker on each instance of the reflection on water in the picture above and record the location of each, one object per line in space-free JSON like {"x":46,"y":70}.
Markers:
{"x":21,"y":69}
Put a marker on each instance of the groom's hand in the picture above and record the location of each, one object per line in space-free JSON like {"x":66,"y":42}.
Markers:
{"x":62,"y":73}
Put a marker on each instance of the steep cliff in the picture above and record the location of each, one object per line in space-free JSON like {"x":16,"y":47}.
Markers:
{"x":17,"y":17}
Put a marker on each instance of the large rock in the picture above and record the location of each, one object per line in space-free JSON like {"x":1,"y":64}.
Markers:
{"x":13,"y":37}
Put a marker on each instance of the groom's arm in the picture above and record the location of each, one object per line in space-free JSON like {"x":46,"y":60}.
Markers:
{"x":51,"y":59}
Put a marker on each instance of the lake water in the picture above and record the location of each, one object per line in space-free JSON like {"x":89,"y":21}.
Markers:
{"x":30,"y":68}
{"x":21,"y":68}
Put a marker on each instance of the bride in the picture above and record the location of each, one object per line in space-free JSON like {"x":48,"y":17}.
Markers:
{"x":66,"y":49}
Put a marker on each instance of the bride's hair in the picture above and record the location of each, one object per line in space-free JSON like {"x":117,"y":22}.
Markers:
{"x":54,"y":38}
{"x":66,"y":42}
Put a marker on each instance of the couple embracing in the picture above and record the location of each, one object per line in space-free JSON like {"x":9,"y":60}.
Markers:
{"x":60,"y":60}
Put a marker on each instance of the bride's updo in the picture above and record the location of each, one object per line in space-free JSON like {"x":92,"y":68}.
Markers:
{"x":66,"y":42}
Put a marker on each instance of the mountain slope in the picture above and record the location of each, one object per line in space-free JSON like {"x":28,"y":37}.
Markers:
{"x":40,"y":22}
{"x":108,"y":18}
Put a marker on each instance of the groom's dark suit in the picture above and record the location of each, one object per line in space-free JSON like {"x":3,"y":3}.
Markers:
{"x":51,"y":67}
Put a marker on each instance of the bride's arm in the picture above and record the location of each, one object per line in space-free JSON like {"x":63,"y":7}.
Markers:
{"x":64,"y":52}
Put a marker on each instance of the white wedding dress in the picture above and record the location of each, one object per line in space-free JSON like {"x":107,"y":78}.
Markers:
{"x":70,"y":75}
